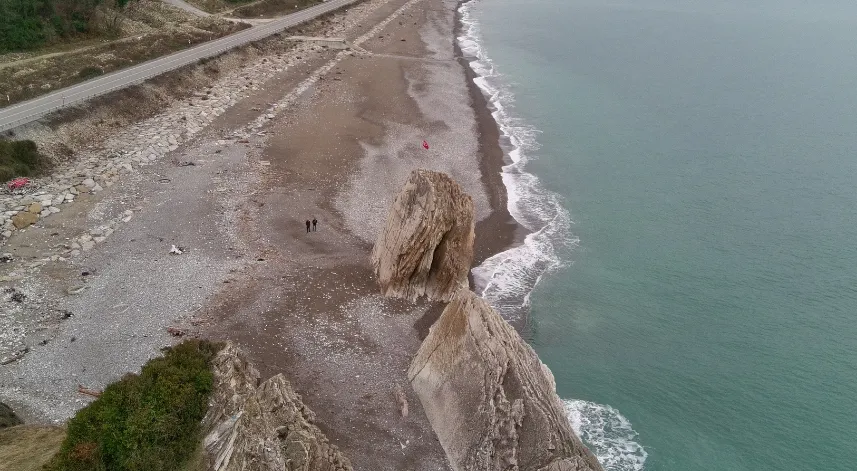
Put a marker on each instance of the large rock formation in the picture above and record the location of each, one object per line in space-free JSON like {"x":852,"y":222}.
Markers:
{"x":426,"y":247}
{"x":252,"y":426}
{"x":491,"y":401}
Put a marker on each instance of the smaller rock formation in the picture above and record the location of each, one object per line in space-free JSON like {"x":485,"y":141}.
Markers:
{"x":262,"y":427}
{"x":426,"y":247}
{"x":7,"y":417}
{"x":490,"y":400}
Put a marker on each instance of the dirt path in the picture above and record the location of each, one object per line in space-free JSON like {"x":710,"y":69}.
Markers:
{"x":187,"y":7}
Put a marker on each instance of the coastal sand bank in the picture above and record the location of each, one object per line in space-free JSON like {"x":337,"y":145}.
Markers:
{"x":302,"y":304}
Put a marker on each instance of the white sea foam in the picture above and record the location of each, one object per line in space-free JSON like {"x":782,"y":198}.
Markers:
{"x":608,"y":434}
{"x":506,"y":279}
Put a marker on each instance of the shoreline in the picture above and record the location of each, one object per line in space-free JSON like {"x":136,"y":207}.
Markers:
{"x":505,"y":229}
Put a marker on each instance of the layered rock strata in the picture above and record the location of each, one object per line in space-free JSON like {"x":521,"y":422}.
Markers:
{"x":254,"y":427}
{"x":490,"y":400}
{"x":426,"y":247}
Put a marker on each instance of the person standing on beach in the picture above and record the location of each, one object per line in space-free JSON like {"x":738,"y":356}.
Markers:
{"x":314,"y":223}
{"x":307,"y":226}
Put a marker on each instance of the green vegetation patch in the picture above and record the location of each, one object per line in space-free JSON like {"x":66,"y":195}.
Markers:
{"x":29,"y":24}
{"x":145,"y":422}
{"x":20,"y":159}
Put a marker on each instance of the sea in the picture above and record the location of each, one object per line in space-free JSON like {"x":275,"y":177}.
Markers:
{"x":687,"y":170}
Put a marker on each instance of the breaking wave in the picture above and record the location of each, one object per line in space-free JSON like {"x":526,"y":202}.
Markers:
{"x":608,"y":434}
{"x":506,"y":279}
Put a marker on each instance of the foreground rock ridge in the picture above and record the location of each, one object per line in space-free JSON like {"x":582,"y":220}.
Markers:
{"x":490,"y":400}
{"x":252,"y":426}
{"x":426,"y":247}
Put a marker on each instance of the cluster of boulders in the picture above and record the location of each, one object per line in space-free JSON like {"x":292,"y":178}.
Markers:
{"x":25,"y":209}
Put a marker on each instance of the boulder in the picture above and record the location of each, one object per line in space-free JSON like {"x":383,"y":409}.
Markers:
{"x":34,"y":208}
{"x":426,"y":247}
{"x":8,"y":417}
{"x":24,"y":219}
{"x":255,"y":427}
{"x":490,"y":400}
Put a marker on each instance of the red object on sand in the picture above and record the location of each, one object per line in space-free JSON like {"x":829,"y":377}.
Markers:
{"x":425,"y":145}
{"x":18,"y":183}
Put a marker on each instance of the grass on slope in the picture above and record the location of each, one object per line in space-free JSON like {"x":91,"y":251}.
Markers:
{"x":20,"y":159}
{"x":145,"y":422}
{"x":218,"y":6}
{"x":29,"y":447}
{"x":272,"y":8}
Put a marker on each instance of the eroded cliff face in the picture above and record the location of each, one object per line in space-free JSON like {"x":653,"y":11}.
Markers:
{"x":426,"y":247}
{"x":252,"y":426}
{"x":490,"y":400}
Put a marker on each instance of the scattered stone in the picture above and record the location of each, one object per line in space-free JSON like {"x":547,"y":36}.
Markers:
{"x":176,"y":250}
{"x":76,"y":289}
{"x":15,"y":356}
{"x":24,"y":219}
{"x":176,"y":332}
{"x":16,"y":296}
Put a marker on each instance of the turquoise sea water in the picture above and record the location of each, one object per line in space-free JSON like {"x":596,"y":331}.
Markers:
{"x":699,"y":310}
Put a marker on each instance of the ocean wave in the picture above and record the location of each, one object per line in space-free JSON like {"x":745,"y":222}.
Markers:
{"x":608,"y":434}
{"x":506,"y":279}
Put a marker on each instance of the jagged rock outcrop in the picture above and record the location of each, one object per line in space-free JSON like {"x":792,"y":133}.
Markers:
{"x":256,"y":427}
{"x":426,"y":247}
{"x":490,"y":400}
{"x":8,"y":417}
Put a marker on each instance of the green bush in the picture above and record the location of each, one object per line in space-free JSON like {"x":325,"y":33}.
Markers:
{"x":29,"y":24}
{"x":20,"y":159}
{"x":145,"y":422}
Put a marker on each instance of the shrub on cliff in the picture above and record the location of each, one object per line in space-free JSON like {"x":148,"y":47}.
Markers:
{"x":149,"y":421}
{"x":19,"y":159}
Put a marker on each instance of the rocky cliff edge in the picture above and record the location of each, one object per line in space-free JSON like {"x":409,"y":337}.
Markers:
{"x":252,"y":426}
{"x":490,"y":400}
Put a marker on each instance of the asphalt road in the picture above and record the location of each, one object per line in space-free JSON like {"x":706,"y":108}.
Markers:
{"x":32,"y":110}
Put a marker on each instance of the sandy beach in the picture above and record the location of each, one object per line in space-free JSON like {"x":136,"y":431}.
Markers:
{"x":332,"y":137}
